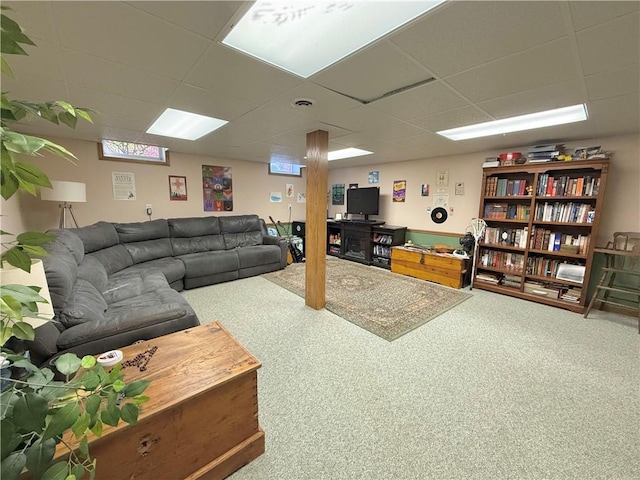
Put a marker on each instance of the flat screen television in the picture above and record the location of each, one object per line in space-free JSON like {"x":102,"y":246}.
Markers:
{"x":363,"y":201}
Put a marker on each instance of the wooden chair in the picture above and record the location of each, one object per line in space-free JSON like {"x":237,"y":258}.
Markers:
{"x":622,"y":256}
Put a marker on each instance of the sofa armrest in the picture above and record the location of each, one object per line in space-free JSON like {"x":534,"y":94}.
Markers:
{"x":282,"y":243}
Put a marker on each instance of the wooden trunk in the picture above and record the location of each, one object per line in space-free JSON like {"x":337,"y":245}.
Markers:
{"x":202,"y":419}
{"x":444,"y":269}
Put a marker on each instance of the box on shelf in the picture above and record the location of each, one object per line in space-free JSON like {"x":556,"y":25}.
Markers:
{"x":540,"y":290}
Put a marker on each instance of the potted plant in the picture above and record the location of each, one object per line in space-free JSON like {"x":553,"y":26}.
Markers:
{"x":40,"y":414}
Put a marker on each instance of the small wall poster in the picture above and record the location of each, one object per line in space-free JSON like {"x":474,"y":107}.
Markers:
{"x":177,"y":187}
{"x":459,"y":188}
{"x":302,"y":197}
{"x":275,"y":197}
{"x":399,"y":190}
{"x":374,"y":176}
{"x":217,"y":189}
{"x":337,"y":194}
{"x":441,"y":200}
{"x":424,"y":191}
{"x":124,"y":186}
{"x":289,"y":190}
{"x":442,"y":178}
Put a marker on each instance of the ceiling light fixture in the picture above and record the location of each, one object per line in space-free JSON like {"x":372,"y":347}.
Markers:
{"x":548,"y":118}
{"x":304,"y":37}
{"x":184,"y":125}
{"x":347,"y":153}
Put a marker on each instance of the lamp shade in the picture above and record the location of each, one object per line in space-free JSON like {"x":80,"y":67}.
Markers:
{"x":65,"y":192}
{"x":10,"y":275}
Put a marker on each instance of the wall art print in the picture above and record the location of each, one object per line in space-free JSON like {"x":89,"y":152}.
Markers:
{"x":217,"y":189}
{"x":399,"y":190}
{"x":337,"y":194}
{"x":177,"y":187}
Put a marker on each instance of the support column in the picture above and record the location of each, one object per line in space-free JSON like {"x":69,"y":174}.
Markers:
{"x":316,"y":219}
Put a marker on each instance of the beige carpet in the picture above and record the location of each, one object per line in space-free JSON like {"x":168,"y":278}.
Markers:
{"x":384,"y":303}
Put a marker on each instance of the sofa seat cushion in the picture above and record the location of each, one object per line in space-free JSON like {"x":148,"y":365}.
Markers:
{"x":259,"y":255}
{"x":172,"y":269}
{"x":84,"y":304}
{"x":207,"y":263}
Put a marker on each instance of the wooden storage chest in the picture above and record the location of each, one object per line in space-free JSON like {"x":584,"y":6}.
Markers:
{"x":441,"y":268}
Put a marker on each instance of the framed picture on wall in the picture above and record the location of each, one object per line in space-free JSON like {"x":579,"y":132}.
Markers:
{"x":177,"y":187}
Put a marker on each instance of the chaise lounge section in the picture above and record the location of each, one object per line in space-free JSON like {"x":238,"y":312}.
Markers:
{"x":112,"y":284}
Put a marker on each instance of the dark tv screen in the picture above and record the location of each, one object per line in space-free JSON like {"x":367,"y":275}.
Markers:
{"x":363,"y":201}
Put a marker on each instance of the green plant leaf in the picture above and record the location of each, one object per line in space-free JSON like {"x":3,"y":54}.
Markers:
{"x":84,"y":114}
{"x":110,"y":415}
{"x":22,"y":293}
{"x":57,"y":471}
{"x":136,"y":388}
{"x":59,"y":151}
{"x":88,"y":361}
{"x":29,"y":413}
{"x":12,"y":466}
{"x":68,"y":364}
{"x":81,"y":425}
{"x":23,"y":331}
{"x":129,"y":413}
{"x":9,"y":439}
{"x":16,"y":257}
{"x":83,"y":447}
{"x":11,"y":307}
{"x":118,"y":385}
{"x":97,"y":429}
{"x":63,"y":419}
{"x":90,"y":380}
{"x":67,"y":107}
{"x":5,"y":68}
{"x":8,"y":184}
{"x":68,"y":119}
{"x":77,"y":471}
{"x":140,"y":399}
{"x":5,"y":333}
{"x":92,"y":404}
{"x":34,"y":238}
{"x":35,"y":251}
{"x":29,"y":173}
{"x":18,"y":143}
{"x":39,"y":456}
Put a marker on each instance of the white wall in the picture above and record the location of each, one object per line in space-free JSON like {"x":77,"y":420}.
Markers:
{"x":622,"y":197}
{"x":252,"y":186}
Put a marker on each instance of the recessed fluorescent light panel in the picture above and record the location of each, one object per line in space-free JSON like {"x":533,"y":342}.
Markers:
{"x":304,"y":37}
{"x":185,"y":125}
{"x":347,"y":153}
{"x":559,"y":116}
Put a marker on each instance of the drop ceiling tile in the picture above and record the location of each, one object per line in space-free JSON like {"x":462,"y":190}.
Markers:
{"x":227,"y":71}
{"x":110,"y":77}
{"x":614,"y":82}
{"x":587,"y":14}
{"x":421,"y":101}
{"x":204,"y":18}
{"x":114,"y":105}
{"x":325,"y":102}
{"x":206,"y":102}
{"x":372,"y":72}
{"x":469,"y":34}
{"x":536,"y":100}
{"x":136,"y":38}
{"x":373,"y":123}
{"x":42,"y":61}
{"x":611,"y":45}
{"x":35,"y":19}
{"x":33,"y":89}
{"x":535,"y":68}
{"x":618,"y":115}
{"x":458,"y":117}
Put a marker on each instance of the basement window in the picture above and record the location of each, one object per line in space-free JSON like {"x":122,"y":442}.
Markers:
{"x":133,"y":152}
{"x":285,"y":168}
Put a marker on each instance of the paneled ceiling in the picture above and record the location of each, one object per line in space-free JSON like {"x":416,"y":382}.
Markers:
{"x":463,"y":63}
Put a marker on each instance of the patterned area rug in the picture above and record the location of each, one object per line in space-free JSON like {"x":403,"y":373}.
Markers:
{"x":384,"y":303}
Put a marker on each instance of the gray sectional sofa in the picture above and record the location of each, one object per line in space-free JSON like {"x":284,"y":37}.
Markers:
{"x":112,"y":284}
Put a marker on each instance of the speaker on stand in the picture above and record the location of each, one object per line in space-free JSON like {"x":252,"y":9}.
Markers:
{"x":299,"y":231}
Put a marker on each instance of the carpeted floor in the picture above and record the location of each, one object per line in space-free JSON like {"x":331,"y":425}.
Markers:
{"x":386,"y":304}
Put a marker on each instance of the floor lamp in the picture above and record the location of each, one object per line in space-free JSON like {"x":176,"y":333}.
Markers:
{"x":65,"y":192}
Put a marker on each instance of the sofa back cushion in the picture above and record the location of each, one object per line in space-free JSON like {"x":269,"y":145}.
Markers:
{"x":241,"y":231}
{"x":61,"y":270}
{"x":194,"y":235}
{"x":91,"y":270}
{"x":97,"y":236}
{"x":114,"y":258}
{"x":145,"y":241}
{"x":85,"y":304}
{"x":66,"y":241}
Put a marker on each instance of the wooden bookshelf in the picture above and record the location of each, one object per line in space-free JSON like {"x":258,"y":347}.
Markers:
{"x":557,"y":207}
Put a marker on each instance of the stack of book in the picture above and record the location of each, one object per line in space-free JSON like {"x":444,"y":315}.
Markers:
{"x":511,"y":280}
{"x":571,"y":295}
{"x":493,"y":278}
{"x":544,"y":153}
